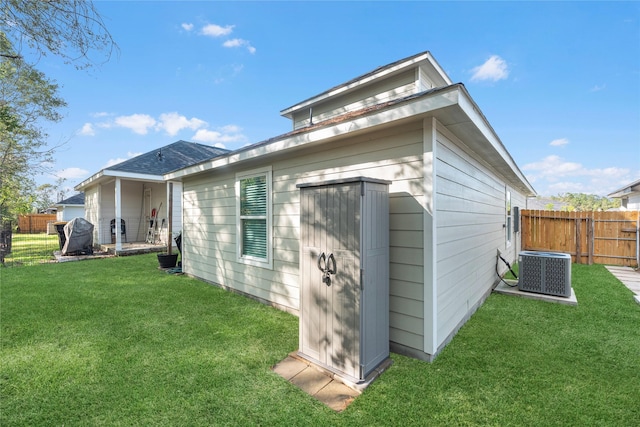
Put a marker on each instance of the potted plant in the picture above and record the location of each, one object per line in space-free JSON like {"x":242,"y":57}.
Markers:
{"x":167,"y":260}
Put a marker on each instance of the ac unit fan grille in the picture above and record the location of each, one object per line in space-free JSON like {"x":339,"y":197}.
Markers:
{"x":545,"y":272}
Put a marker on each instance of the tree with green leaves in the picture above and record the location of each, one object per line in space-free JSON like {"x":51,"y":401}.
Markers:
{"x":587,"y":202}
{"x":27,"y":99}
{"x":69,"y":29}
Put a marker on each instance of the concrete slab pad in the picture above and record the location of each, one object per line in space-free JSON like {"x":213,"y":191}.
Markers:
{"x":316,"y":382}
{"x":311,"y":380}
{"x":68,"y":258}
{"x":503,"y":288}
{"x":336,"y":396}
{"x":289,"y":368}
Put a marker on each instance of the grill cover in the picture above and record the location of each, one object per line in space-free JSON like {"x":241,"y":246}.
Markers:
{"x":79,"y":237}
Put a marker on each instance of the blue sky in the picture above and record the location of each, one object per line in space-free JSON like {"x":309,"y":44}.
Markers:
{"x":558,"y":81}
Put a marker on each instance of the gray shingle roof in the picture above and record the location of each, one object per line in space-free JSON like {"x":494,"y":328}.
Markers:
{"x":174,"y":156}
{"x":76,"y":199}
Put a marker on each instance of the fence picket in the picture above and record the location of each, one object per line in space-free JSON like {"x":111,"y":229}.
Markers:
{"x":592,"y":237}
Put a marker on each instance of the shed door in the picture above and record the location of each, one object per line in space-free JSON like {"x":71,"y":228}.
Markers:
{"x":330,"y":311}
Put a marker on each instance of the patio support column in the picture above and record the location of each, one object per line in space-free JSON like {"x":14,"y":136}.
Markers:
{"x":118,"y":216}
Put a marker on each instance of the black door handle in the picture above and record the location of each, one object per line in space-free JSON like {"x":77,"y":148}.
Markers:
{"x":322,"y":259}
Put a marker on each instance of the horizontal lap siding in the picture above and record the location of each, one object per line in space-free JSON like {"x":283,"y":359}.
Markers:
{"x":209,"y":247}
{"x":470,"y":205}
{"x":394,"y":154}
{"x":396,"y":87}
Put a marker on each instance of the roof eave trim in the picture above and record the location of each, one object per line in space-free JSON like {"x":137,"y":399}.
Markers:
{"x":404,"y":110}
{"x":117,"y":174}
{"x":628,"y":189}
{"x":474,"y":113}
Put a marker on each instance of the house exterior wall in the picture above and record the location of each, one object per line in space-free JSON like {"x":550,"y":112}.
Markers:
{"x":209,"y":239}
{"x":130,"y":202}
{"x":176,"y":224}
{"x":470,"y":225}
{"x":92,"y":209}
{"x":633,"y":203}
{"x":99,"y":209}
{"x":395,"y":87}
{"x":67,"y":213}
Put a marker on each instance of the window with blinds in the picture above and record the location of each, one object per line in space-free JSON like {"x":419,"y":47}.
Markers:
{"x":254,"y":207}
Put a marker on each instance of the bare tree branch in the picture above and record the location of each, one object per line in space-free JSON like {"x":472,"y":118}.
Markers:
{"x":70,"y":29}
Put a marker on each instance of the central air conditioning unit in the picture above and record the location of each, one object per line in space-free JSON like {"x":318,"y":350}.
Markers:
{"x":545,"y":273}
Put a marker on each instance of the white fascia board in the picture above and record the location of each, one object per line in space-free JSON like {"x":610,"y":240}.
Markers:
{"x":67,"y":206}
{"x":288,"y":112}
{"x":117,"y":174}
{"x":87,"y":182}
{"x":134,"y":175}
{"x":410,"y":109}
{"x":439,"y":69}
{"x":472,"y":111}
{"x":634,"y":187}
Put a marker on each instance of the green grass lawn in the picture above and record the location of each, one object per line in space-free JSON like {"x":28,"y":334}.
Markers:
{"x":117,"y":342}
{"x":29,"y":249}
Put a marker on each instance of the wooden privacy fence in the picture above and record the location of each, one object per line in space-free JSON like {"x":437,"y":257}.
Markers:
{"x":590,"y":237}
{"x":34,"y":223}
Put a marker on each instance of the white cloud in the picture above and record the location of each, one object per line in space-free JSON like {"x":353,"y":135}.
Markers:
{"x":87,"y":130}
{"x":598,"y":88}
{"x":138,"y":123}
{"x":559,"y":142}
{"x":172,"y":123}
{"x":230,"y":129}
{"x":239,"y":43}
{"x":495,"y":68}
{"x":224,"y":135}
{"x":554,"y":175}
{"x":552,"y":168}
{"x":214,"y":30}
{"x":187,"y":27}
{"x":72,"y":173}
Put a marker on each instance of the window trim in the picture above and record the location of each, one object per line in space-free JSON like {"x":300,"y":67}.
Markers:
{"x":247,"y":259}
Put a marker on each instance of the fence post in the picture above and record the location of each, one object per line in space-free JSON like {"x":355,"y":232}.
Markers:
{"x":590,"y":239}
{"x":578,"y":241}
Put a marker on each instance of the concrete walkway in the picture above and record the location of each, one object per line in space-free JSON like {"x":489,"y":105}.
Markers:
{"x":629,"y":277}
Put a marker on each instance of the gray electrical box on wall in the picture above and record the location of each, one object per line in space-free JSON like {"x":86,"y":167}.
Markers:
{"x":344,"y":275}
